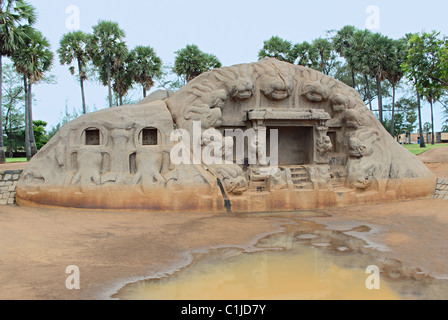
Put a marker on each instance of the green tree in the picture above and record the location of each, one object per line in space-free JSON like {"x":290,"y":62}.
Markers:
{"x":394,"y":72}
{"x":445,"y":128}
{"x":106,"y":47}
{"x":318,"y":55}
{"x":444,"y":102}
{"x":14,"y":118}
{"x":327,"y":55}
{"x":407,"y":108}
{"x":145,"y":65}
{"x":432,"y":94}
{"x":365,"y":87}
{"x":14,"y":14}
{"x":73,"y":46}
{"x":397,"y":124}
{"x":427,"y":127}
{"x":376,"y":54}
{"x":123,"y":77}
{"x":191,"y":62}
{"x":32,"y":60}
{"x":277,"y":48}
{"x":40,"y":133}
{"x":421,"y":65}
{"x":426,"y":55}
{"x":357,"y":52}
{"x":343,"y":45}
{"x":305,"y":55}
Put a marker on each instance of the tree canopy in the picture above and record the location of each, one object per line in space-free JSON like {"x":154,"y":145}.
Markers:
{"x":191,"y":62}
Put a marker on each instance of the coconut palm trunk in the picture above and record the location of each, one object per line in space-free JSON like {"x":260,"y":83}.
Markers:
{"x":81,"y":80}
{"x":432,"y":121}
{"x":353,"y":78}
{"x":30,"y":119}
{"x":392,"y":125}
{"x":380,"y":99}
{"x":2,"y":147}
{"x":109,"y":81}
{"x":420,"y":127}
{"x":27,"y":123}
{"x":369,"y":95}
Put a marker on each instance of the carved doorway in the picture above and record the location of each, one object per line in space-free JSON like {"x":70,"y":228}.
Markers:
{"x":295,"y":145}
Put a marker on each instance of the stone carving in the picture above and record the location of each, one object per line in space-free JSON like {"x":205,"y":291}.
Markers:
{"x":361,"y":168}
{"x":332,"y":151}
{"x":273,"y":82}
{"x":278,"y":180}
{"x":320,"y":176}
{"x":89,"y":164}
{"x":149,"y":164}
{"x":324,"y":146}
{"x":206,"y":95}
{"x":232,"y":178}
{"x":238,"y":84}
{"x":339,"y":103}
{"x":315,"y":92}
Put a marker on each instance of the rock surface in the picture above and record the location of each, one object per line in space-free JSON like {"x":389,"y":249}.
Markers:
{"x":331,"y":150}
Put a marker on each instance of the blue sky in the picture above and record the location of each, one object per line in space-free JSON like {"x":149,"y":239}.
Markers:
{"x":232,"y":30}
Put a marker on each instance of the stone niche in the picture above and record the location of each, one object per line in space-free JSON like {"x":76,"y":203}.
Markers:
{"x":332,"y":151}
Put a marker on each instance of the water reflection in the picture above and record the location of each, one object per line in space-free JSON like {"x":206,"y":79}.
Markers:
{"x":288,"y":267}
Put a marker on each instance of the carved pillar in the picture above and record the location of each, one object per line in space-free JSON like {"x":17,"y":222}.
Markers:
{"x":322,"y":144}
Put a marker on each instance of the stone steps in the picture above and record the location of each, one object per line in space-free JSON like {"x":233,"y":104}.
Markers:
{"x":442,"y":189}
{"x":8,"y":184}
{"x":301,"y":179}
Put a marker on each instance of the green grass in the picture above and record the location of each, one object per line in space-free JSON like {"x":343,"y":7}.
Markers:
{"x":415,"y":148}
{"x":12,"y":160}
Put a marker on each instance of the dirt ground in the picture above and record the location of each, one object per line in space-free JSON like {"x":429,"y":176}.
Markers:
{"x":437,"y":161}
{"x":113,"y":248}
{"x":13,"y":166}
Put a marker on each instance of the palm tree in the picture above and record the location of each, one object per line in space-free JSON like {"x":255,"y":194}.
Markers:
{"x":13,"y":15}
{"x":342,"y":45}
{"x":394,"y":71}
{"x":358,"y":55}
{"x":378,"y":52}
{"x":432,"y":92}
{"x":122,"y":76}
{"x":327,"y":55}
{"x":73,"y":46}
{"x":145,"y":65}
{"x":32,"y":60}
{"x":420,"y":67}
{"x":106,"y":47}
{"x":306,"y":55}
{"x":191,"y":62}
{"x":277,"y":48}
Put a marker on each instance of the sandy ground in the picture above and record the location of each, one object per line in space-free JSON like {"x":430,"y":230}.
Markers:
{"x":13,"y":166}
{"x":435,"y":155}
{"x":437,"y":161}
{"x":113,"y":248}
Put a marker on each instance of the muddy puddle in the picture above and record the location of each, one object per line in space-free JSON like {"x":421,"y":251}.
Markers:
{"x":305,"y":262}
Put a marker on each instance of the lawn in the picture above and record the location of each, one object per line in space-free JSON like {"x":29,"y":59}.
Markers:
{"x":12,"y":160}
{"x":415,"y":148}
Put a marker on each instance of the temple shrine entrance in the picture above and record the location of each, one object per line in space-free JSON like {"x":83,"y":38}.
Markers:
{"x":295,"y":145}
